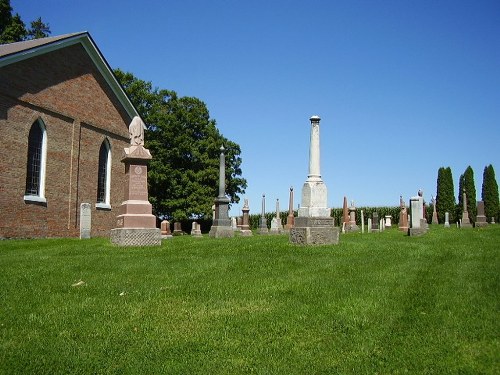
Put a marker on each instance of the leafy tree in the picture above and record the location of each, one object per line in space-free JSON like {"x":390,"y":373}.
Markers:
{"x":13,"y":29}
{"x":489,"y":193}
{"x":445,"y":198}
{"x":185,"y":144}
{"x":467,"y":183}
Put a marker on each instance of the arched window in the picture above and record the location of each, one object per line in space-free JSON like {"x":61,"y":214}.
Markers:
{"x":104,"y":176}
{"x":35,"y":165}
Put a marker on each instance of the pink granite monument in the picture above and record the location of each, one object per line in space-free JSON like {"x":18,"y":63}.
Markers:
{"x":135,"y":224}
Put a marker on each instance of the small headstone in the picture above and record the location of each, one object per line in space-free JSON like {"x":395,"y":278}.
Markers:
{"x":165,"y":229}
{"x":85,"y":220}
{"x":369,"y":226}
{"x":381,"y":225}
{"x":388,"y":221}
{"x":493,"y":220}
{"x":177,"y":229}
{"x":195,"y":229}
{"x":234,"y":224}
{"x":446,"y":219}
{"x":480,"y":218}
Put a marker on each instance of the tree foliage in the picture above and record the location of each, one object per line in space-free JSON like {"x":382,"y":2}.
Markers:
{"x":467,"y":182}
{"x":13,"y":29}
{"x":185,"y":143}
{"x":445,"y":198}
{"x":489,"y":194}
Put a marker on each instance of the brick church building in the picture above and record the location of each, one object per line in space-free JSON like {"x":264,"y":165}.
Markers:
{"x":64,"y":124}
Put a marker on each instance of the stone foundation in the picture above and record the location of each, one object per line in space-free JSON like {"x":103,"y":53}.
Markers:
{"x":136,"y":236}
{"x":314,"y":231}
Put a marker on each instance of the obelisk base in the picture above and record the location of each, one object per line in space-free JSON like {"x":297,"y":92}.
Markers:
{"x":221,"y":226}
{"x":314,"y":231}
{"x":136,"y":236}
{"x":465,"y":221}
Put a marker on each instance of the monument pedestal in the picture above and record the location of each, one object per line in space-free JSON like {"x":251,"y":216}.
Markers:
{"x":136,"y":225}
{"x":314,"y":231}
{"x":221,"y":226}
{"x":465,"y":223}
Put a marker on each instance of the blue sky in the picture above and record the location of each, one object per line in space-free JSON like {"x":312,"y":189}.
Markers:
{"x":402,"y":87}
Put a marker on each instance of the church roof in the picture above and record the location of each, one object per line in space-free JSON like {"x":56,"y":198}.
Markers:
{"x":19,"y":51}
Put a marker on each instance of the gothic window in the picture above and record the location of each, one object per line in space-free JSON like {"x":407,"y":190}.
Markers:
{"x":104,"y":176}
{"x":35,"y":166}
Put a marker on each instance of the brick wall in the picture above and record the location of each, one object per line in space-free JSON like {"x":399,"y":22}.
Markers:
{"x":79,"y":111}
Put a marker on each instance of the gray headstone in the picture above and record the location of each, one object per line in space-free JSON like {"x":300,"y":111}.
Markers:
{"x":85,"y":220}
{"x":446,"y":219}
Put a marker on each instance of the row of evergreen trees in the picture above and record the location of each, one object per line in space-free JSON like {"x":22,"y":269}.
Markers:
{"x":445,"y":199}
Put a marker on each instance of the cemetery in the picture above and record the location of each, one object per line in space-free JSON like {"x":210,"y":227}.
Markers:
{"x":118,"y":253}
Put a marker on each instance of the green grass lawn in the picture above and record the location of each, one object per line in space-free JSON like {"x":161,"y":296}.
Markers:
{"x":376,"y":303}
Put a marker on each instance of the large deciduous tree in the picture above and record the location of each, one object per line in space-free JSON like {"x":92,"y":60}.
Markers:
{"x":489,"y":194}
{"x":467,"y":182}
{"x":445,"y":197}
{"x":13,"y":29}
{"x":185,"y":144}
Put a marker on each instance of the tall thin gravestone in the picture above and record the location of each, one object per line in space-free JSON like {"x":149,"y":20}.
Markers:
{"x":136,"y":225}
{"x":263,"y":221}
{"x":403,"y":215}
{"x":352,"y":226}
{"x":362,"y":222}
{"x":446,"y":219}
{"x":290,"y":220}
{"x":245,"y":226}
{"x":221,"y":227}
{"x":434,"y":212}
{"x":85,"y":220}
{"x":314,"y":225}
{"x":465,"y":223}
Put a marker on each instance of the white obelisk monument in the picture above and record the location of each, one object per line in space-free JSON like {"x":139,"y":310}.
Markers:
{"x":314,"y":225}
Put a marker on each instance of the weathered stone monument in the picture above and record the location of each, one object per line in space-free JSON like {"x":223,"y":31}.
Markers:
{"x":434,"y":212}
{"x":136,"y":225}
{"x":276,"y":225}
{"x":403,"y":215}
{"x":362,"y":222}
{"x":177,"y":229}
{"x":85,"y":220}
{"x":165,"y":229}
{"x":196,"y":229}
{"x":387,"y":221}
{"x":290,"y":219}
{"x":465,"y":223}
{"x":351,"y":225}
{"x":314,"y":225}
{"x":221,"y":227}
{"x":345,"y":213}
{"x":245,"y":226}
{"x":480,"y":218}
{"x":418,"y":225}
{"x":263,"y":221}
{"x":375,"y":221}
{"x":446,"y":219}
{"x":369,"y":225}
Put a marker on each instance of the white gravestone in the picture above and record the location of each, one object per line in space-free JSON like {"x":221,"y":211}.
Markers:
{"x":85,"y":220}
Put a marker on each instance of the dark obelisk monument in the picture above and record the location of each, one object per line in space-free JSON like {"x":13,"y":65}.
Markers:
{"x":221,"y":226}
{"x":314,"y":225}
